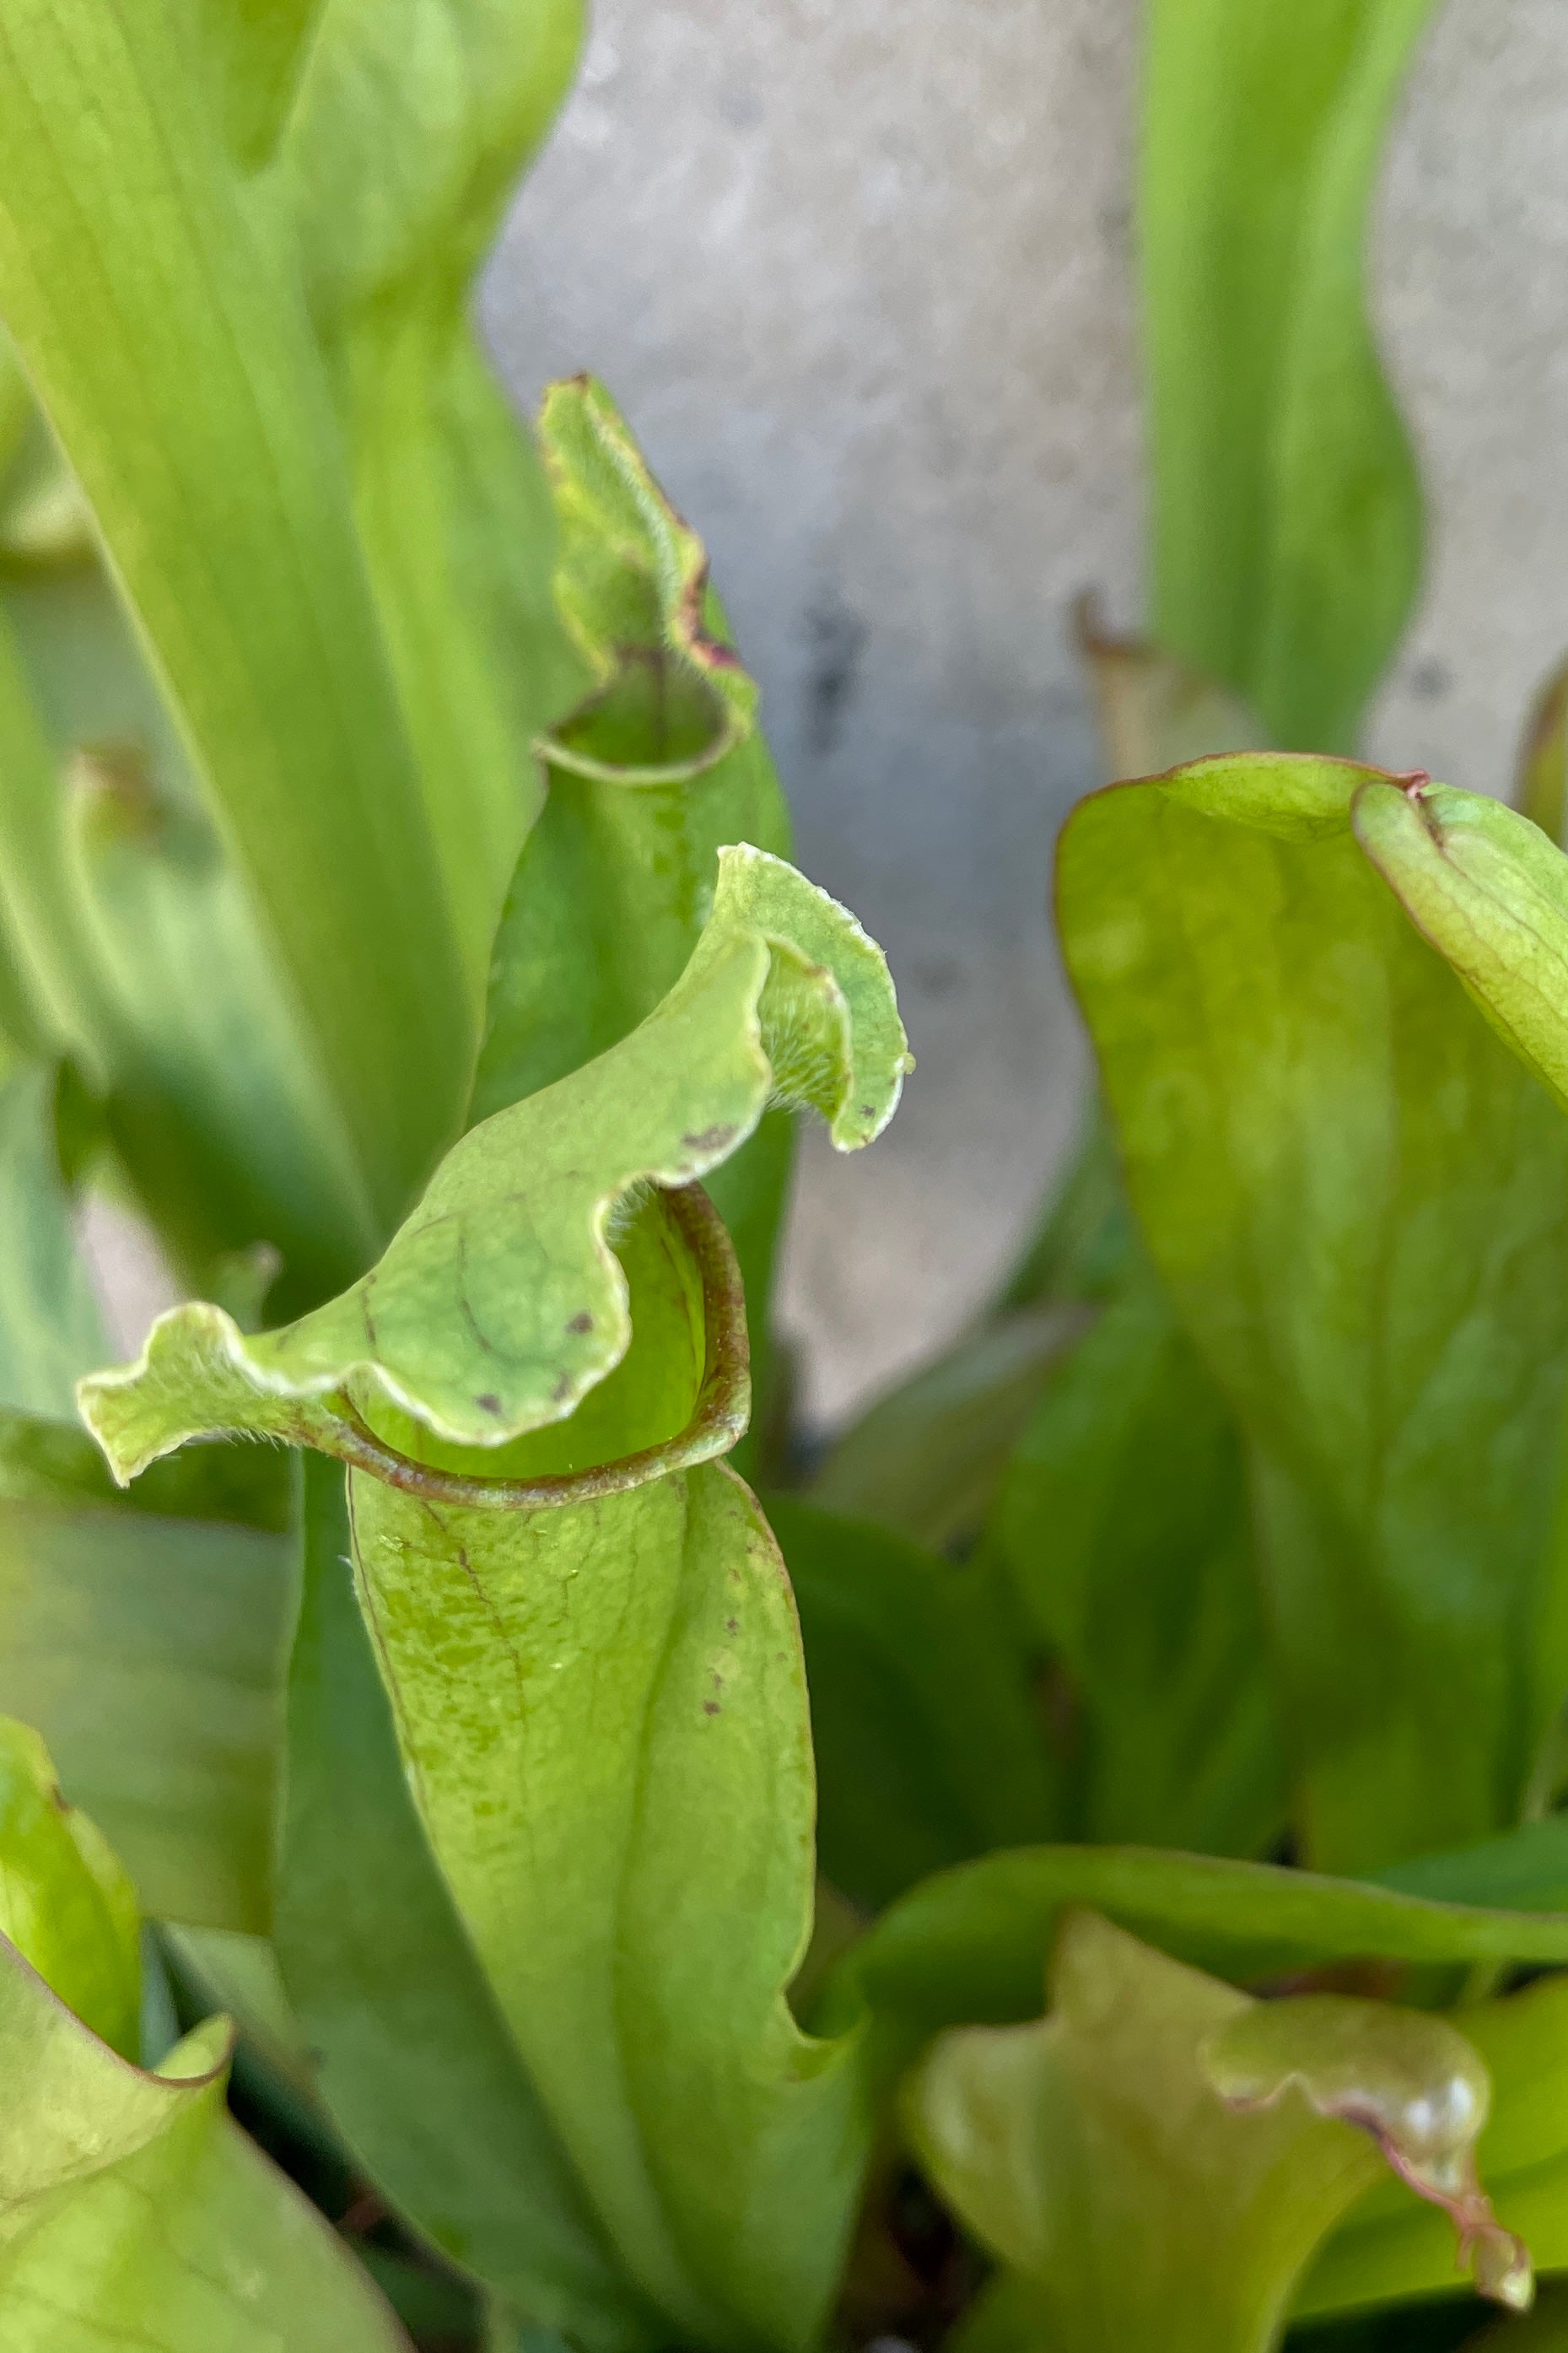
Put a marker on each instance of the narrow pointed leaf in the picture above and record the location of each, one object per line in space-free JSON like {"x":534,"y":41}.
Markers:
{"x":408,"y":127}
{"x":65,"y":1904}
{"x":501,"y":1303}
{"x":1354,"y":1194}
{"x":1287,"y":522}
{"x":203,"y":434}
{"x":50,"y":1326}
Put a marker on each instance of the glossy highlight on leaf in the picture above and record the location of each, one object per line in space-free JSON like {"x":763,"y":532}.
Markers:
{"x":501,"y":1303}
{"x":1413,"y":2081}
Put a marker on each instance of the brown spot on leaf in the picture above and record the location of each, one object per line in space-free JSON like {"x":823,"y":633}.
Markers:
{"x":711,"y":1707}
{"x":488,"y":1402}
{"x":581,"y":1322}
{"x":731,"y":1625}
{"x":711,"y":1139}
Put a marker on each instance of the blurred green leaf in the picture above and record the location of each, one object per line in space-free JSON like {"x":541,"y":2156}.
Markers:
{"x":1356,"y":1199}
{"x":65,"y":1904}
{"x":1123,"y":1523}
{"x":1540,"y":785}
{"x":134,"y":2212}
{"x":926,"y":1458}
{"x":222,"y":1123}
{"x":1287,"y":518}
{"x":201,"y":428}
{"x":969,"y":1945}
{"x":930,"y":1744}
{"x":50,"y":1332}
{"x":145,"y":1636}
{"x":602,"y":1711}
{"x":414,"y":2059}
{"x":396,"y":164}
{"x":500,"y":1304}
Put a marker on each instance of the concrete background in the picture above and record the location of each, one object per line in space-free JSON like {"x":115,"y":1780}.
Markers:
{"x":862,"y":277}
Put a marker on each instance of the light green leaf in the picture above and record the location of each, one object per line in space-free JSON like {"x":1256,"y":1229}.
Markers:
{"x":1123,"y":1523}
{"x":930,"y":1744}
{"x":132,"y":2211}
{"x":969,"y":1945}
{"x":1287,"y":522}
{"x":1355,"y":1197}
{"x":1491,"y":892}
{"x":65,"y":1904}
{"x":146,"y":1638}
{"x":1093,"y":2153}
{"x":50,"y":1332}
{"x":222,"y":1121}
{"x":415,"y":2061}
{"x":501,"y":1303}
{"x":411,"y":122}
{"x":602,"y":1714}
{"x":203,"y":433}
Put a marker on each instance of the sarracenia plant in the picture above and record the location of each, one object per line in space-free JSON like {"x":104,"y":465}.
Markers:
{"x":1124,"y":1910}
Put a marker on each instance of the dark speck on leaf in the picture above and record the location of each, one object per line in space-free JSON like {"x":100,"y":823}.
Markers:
{"x":867,"y":1112}
{"x":581,"y":1322}
{"x":731,"y":1625}
{"x":562,"y":1389}
{"x":710,"y":1707}
{"x":711,"y":1139}
{"x":488,"y":1402}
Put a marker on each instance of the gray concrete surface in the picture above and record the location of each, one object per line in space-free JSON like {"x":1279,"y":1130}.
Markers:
{"x":861,"y":275}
